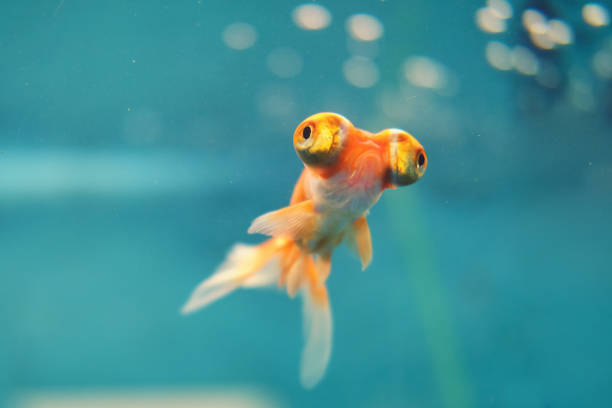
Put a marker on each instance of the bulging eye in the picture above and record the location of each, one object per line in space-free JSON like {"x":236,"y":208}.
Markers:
{"x":421,"y":160}
{"x":407,"y":159}
{"x":319,"y":139}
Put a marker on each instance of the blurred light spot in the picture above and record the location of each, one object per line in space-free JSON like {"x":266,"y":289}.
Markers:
{"x":142,"y":126}
{"x":498,"y":55}
{"x":544,"y":33}
{"x":284,"y":62}
{"x":311,"y":17}
{"x":560,"y":32}
{"x":602,"y":63}
{"x":424,"y":72}
{"x":26,"y":174}
{"x":364,"y":27}
{"x":548,"y":75}
{"x":232,"y":397}
{"x":542,"y":40}
{"x":276,"y":101}
{"x":534,"y":21}
{"x":489,"y":22}
{"x":595,"y":14}
{"x":239,"y":36}
{"x":524,"y":60}
{"x":361,"y":72}
{"x":500,"y":8}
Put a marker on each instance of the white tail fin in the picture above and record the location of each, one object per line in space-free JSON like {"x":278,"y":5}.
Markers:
{"x":279,"y":260}
{"x":317,"y":337}
{"x":247,"y":266}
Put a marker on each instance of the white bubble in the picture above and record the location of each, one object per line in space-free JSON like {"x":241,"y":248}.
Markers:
{"x":542,"y":40}
{"x":546,"y":34}
{"x":534,"y":21}
{"x":361,"y":72}
{"x":364,"y":27}
{"x":501,"y":8}
{"x":424,"y":72}
{"x":602,"y":63}
{"x":560,"y":32}
{"x":524,"y":60}
{"x":239,"y":36}
{"x":311,"y":16}
{"x":284,"y":62}
{"x":498,"y":55}
{"x":489,"y":22}
{"x":595,"y":14}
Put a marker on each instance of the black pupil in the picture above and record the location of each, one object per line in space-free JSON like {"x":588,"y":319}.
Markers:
{"x":306,"y":132}
{"x":421,"y":160}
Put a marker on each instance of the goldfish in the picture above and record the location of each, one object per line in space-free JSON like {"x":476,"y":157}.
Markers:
{"x":346,"y":170}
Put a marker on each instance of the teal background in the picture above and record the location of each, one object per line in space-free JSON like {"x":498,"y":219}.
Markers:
{"x":135,"y":149}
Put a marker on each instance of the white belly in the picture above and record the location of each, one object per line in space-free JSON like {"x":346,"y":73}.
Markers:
{"x":343,"y":194}
{"x":340,"y":199}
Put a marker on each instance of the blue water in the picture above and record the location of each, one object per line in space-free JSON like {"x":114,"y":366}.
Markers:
{"x":136,"y":147}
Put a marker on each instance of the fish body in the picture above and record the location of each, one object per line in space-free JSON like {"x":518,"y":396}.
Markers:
{"x":346,"y":170}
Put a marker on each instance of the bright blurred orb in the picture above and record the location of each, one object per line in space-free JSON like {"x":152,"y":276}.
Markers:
{"x":542,"y":40}
{"x":534,"y":21}
{"x":361,"y":72}
{"x":424,"y":72}
{"x":546,"y":34}
{"x":239,"y":36}
{"x":364,"y":27}
{"x":488,"y":21}
{"x":560,"y":32}
{"x":284,"y":62}
{"x":500,"y":8}
{"x":524,"y":60}
{"x":498,"y":55}
{"x":595,"y":14}
{"x":602,"y":64}
{"x":311,"y":17}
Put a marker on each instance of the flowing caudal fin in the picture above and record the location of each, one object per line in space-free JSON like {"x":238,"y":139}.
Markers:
{"x":246,"y":266}
{"x":359,"y":240}
{"x":317,"y":328}
{"x":296,"y":222}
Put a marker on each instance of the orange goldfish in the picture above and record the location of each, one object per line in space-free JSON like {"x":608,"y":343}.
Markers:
{"x":345,"y":172}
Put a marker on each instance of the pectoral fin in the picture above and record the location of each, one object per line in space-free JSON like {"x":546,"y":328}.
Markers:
{"x":297,"y":222}
{"x":359,"y":240}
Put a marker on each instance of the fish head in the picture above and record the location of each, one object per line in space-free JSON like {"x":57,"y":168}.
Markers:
{"x":407,"y":158}
{"x":320,"y":138}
